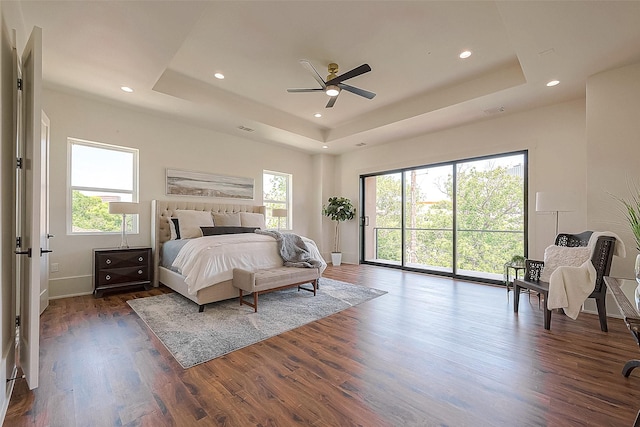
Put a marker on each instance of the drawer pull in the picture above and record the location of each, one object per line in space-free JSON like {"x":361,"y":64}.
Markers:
{"x":108,"y":261}
{"x":140,"y":259}
{"x":108,"y":277}
{"x":139,"y":271}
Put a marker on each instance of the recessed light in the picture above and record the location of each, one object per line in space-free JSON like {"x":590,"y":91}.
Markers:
{"x":126,"y":89}
{"x":219,"y":76}
{"x":325,"y":146}
{"x":317,"y":115}
{"x":553,"y":83}
{"x":465,"y":54}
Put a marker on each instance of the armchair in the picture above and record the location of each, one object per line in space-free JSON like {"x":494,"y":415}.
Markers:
{"x":601,"y":259}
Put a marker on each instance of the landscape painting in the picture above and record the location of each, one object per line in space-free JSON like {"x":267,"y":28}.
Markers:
{"x":185,"y":183}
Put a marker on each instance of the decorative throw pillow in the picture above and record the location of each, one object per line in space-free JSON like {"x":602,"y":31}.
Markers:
{"x":558,"y":256}
{"x":190,"y":222}
{"x":215,"y":230}
{"x":174,"y":228}
{"x":248,"y":219}
{"x":226,"y":219}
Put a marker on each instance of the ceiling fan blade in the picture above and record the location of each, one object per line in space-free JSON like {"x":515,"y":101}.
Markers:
{"x":332,"y":101}
{"x":364,"y":68}
{"x":357,"y":91}
{"x":305,"y":90}
{"x":306,"y":64}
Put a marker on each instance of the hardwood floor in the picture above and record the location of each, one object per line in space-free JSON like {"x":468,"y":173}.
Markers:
{"x":431,"y":352}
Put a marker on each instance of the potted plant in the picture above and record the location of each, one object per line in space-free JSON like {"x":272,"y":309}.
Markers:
{"x":632,"y":213}
{"x":338,"y":209}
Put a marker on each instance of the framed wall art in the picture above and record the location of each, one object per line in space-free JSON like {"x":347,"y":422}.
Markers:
{"x":186,"y":183}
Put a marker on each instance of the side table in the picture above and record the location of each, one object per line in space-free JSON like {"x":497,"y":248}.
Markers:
{"x":625,"y":293}
{"x":508,"y":279}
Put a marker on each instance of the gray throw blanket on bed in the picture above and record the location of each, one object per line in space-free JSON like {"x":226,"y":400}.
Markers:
{"x":293,"y":249}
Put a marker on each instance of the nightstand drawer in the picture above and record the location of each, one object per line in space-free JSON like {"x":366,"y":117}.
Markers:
{"x":113,"y":276}
{"x":119,"y":259}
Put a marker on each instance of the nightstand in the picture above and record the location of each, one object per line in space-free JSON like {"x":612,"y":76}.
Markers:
{"x":120,"y":268}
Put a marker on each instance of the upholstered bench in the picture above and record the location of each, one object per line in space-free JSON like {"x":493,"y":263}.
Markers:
{"x":267,"y":280}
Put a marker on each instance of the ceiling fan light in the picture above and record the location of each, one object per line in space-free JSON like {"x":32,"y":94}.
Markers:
{"x":332,"y":90}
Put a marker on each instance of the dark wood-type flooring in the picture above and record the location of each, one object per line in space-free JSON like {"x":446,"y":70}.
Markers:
{"x":431,"y":352}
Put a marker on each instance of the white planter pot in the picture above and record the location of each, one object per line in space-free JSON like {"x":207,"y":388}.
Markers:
{"x":336,"y":258}
{"x":637,"y":269}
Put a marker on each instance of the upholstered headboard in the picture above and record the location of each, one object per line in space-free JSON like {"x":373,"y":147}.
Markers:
{"x":162,"y":210}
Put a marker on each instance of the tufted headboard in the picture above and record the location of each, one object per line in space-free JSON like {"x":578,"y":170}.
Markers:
{"x":162,"y":210}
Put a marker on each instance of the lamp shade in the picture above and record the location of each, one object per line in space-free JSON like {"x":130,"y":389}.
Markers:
{"x":128,"y":208}
{"x":549,"y":201}
{"x":279,"y":213}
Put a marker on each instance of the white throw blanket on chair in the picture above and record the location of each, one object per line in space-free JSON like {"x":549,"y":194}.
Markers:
{"x":570,"y":286}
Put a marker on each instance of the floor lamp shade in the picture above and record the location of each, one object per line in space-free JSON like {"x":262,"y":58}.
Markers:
{"x":550,"y":201}
{"x":124,"y":209}
{"x":279,"y":213}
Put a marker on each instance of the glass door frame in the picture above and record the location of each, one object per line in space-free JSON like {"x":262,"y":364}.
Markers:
{"x":454,"y":164}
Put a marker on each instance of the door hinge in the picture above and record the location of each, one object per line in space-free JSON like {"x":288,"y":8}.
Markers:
{"x":19,"y":84}
{"x":18,"y":320}
{"x":19,"y":163}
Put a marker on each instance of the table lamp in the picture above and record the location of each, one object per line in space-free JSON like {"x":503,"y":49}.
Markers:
{"x":123,"y":208}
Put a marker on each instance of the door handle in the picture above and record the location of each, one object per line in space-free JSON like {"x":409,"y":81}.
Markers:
{"x":50,"y":235}
{"x":45,"y":251}
{"x":27,"y":252}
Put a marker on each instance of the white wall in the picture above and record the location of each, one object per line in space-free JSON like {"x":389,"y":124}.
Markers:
{"x":163,"y":143}
{"x":554,"y":136}
{"x":613,"y":154}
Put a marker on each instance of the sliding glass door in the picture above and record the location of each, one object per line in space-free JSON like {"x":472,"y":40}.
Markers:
{"x":428,"y":218}
{"x":464,"y":218}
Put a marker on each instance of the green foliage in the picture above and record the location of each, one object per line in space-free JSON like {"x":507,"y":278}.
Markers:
{"x":90,"y":213}
{"x":338,"y":209}
{"x":632,"y":213}
{"x":490,"y":218}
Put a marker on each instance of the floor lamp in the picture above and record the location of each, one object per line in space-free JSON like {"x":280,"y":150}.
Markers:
{"x":555,"y":202}
{"x":123,"y":208}
{"x":279,"y":213}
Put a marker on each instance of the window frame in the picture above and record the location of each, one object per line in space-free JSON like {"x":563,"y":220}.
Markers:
{"x":288,"y":223}
{"x":70,"y":187}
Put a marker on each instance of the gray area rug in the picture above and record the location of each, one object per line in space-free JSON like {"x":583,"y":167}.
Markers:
{"x":226,"y":326}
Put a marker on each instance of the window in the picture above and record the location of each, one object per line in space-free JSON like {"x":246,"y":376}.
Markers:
{"x":276,"y":194}
{"x":99,"y":174}
{"x":463,"y":218}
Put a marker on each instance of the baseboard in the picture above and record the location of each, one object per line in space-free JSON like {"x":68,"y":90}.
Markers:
{"x":70,"y":286}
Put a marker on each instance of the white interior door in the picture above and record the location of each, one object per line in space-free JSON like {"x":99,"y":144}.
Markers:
{"x":44,"y":211}
{"x":29,"y":217}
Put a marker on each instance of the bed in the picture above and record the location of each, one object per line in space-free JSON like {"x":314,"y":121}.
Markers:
{"x":221,"y":287}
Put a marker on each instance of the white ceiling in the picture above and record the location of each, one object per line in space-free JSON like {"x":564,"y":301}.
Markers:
{"x":168,"y":52}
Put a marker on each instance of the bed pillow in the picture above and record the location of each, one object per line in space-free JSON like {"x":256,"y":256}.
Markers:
{"x":558,"y":256}
{"x":174,"y":228}
{"x":216,"y":230}
{"x":248,"y":219}
{"x":189,"y":222}
{"x":226,"y":219}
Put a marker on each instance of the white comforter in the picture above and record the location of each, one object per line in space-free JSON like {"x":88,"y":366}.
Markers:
{"x":208,"y":260}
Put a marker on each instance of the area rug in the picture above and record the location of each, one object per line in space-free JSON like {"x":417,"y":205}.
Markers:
{"x":193,"y":337}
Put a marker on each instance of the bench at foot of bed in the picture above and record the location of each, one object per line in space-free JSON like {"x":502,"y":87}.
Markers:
{"x":272,"y":279}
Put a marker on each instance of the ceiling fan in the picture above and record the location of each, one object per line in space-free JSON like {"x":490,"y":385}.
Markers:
{"x":333,"y":85}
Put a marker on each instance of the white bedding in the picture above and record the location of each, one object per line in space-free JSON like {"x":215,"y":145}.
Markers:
{"x":208,"y":260}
